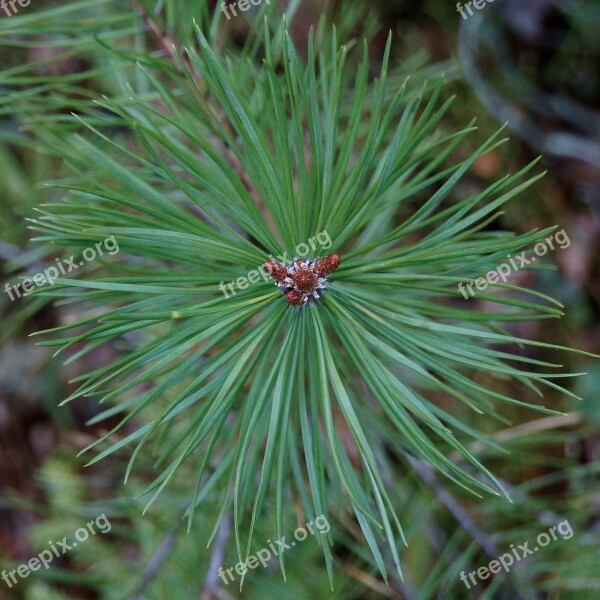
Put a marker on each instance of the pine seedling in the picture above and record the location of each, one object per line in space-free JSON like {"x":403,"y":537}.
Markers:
{"x":288,"y":381}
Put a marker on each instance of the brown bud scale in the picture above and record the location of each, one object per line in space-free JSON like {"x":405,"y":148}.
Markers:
{"x":304,"y":280}
{"x":326,"y":266}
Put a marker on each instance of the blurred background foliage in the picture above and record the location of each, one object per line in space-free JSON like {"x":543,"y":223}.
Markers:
{"x":535,"y":65}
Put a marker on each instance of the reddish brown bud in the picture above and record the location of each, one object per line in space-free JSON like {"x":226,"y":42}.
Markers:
{"x":295,"y":298}
{"x":326,"y":266}
{"x":276,"y":270}
{"x":305,"y":281}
